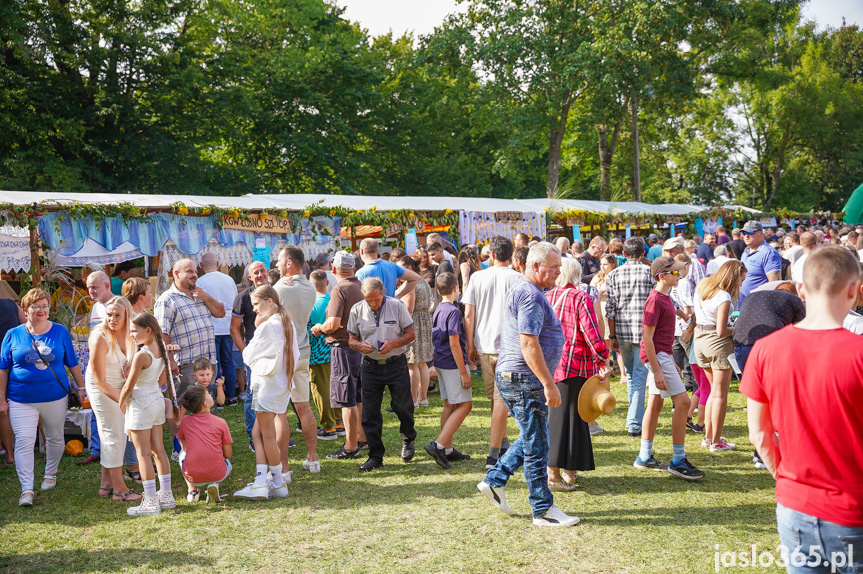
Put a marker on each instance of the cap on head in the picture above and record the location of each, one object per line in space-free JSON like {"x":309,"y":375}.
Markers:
{"x":665,"y":265}
{"x":752,"y":226}
{"x":343,"y":259}
{"x":676,"y":241}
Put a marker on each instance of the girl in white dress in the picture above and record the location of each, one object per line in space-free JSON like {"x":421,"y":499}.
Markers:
{"x":142,"y":402}
{"x":271,"y":356}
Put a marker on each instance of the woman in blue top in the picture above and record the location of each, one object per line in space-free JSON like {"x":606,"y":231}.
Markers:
{"x":33,"y":361}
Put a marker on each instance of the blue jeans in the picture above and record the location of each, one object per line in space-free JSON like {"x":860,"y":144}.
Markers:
{"x":741,"y":354}
{"x":225,"y":367}
{"x":525,"y":399}
{"x":248,"y":411}
{"x":636,"y":384}
{"x":812,"y":543}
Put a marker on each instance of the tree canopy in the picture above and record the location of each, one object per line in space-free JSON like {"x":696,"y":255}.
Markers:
{"x":733,"y":100}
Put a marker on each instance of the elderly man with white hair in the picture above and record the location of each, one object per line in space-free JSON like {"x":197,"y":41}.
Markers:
{"x":224,"y":290}
{"x":562,"y":245}
{"x":720,"y":256}
{"x":531,"y":344}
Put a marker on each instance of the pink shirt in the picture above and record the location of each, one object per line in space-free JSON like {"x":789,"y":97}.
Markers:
{"x":204,"y":435}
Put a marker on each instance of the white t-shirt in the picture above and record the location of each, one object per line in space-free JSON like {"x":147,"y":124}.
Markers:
{"x":223,"y":289}
{"x":854,"y":323}
{"x":331,"y":280}
{"x":486,"y":291}
{"x":705,"y":310}
{"x":97,"y":315}
{"x":793,"y":254}
{"x":714,"y":264}
{"x":797,"y":269}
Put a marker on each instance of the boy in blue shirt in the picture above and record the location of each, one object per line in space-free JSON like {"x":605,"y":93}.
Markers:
{"x":450,"y":361}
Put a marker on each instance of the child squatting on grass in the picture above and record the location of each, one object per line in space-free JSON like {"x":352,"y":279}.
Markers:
{"x":271,"y":356}
{"x":206,"y":443}
{"x":663,"y":377}
{"x":142,"y":402}
{"x":450,"y":360}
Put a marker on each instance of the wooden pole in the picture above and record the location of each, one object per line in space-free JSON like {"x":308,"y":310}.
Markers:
{"x":35,"y":266}
{"x":353,"y":239}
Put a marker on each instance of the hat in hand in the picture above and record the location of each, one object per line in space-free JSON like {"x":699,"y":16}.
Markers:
{"x":595,"y":399}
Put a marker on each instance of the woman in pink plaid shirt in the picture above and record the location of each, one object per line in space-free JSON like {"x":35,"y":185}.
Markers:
{"x":584,"y":354}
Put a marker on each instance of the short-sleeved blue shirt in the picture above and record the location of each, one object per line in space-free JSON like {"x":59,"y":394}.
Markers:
{"x":654,"y":251}
{"x":386,"y":271}
{"x":527,"y":311}
{"x":30,"y":381}
{"x":446,"y":322}
{"x":758,"y":264}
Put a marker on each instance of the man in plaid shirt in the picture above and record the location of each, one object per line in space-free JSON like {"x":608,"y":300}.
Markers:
{"x":628,"y":287}
{"x":185,"y":313}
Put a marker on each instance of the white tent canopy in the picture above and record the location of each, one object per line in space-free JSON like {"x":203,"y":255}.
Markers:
{"x":298,"y":202}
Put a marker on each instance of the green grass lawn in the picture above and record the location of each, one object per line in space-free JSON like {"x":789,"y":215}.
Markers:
{"x":411,"y":517}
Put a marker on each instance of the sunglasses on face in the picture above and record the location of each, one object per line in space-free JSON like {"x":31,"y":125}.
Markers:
{"x":675,"y":272}
{"x":748,"y":232}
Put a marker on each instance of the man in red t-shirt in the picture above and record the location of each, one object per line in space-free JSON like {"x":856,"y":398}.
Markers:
{"x":663,"y":377}
{"x":805,"y":382}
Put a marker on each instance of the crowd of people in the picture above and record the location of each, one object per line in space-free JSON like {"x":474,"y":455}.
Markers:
{"x":545,"y":325}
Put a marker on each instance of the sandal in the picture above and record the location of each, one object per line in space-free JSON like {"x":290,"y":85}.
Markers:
{"x":569,"y":478}
{"x":134,"y":475}
{"x":49,"y":482}
{"x":105,"y":491}
{"x":26,"y":498}
{"x":363,"y":445}
{"x":560,"y":486}
{"x":342,"y":453}
{"x":131,"y":496}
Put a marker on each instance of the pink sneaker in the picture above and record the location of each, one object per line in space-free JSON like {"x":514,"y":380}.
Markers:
{"x":706,"y":442}
{"x":722,"y":445}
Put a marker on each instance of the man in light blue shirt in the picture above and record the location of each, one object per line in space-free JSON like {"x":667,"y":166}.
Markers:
{"x":763,"y":263}
{"x":386,"y":271}
{"x":655,"y":246}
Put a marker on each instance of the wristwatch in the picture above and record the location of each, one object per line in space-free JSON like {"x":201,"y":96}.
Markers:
{"x":612,"y":337}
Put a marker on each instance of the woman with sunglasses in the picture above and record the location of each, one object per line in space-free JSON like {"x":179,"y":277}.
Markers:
{"x":33,"y":384}
{"x":713,"y":345}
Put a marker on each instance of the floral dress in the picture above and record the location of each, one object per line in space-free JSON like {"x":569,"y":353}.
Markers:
{"x":421,"y":350}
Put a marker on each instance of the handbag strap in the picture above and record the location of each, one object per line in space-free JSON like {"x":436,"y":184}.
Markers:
{"x":35,"y":348}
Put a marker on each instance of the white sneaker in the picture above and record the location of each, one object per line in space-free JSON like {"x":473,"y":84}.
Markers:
{"x":213,"y":493}
{"x":254,"y":491}
{"x":280,"y":491}
{"x":312,"y":466}
{"x":147,"y":506}
{"x":556,"y":517}
{"x":166,"y":499}
{"x":706,"y":442}
{"x":497,"y":496}
{"x":288,"y":476}
{"x":722,"y":445}
{"x":595,"y":429}
{"x":193,"y":496}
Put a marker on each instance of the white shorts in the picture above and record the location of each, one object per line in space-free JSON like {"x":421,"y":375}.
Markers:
{"x":672,"y":377}
{"x":301,"y":384}
{"x":144,"y":414}
{"x":450,"y":387}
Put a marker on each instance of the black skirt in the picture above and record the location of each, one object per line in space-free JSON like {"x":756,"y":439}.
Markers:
{"x":569,"y":445}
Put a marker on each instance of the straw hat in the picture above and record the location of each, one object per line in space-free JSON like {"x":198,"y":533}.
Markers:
{"x":595,"y":399}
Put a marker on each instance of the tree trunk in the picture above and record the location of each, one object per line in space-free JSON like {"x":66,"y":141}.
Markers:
{"x":555,"y":140}
{"x":606,"y":154}
{"x":636,"y":167}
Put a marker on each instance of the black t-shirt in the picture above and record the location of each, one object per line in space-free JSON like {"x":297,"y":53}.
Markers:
{"x":589,"y":267}
{"x":243,"y":308}
{"x":8,"y":316}
{"x":765,"y":312}
{"x":737,"y":246}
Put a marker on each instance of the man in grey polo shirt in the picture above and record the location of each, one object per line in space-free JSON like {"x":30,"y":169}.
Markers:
{"x":379,"y":327}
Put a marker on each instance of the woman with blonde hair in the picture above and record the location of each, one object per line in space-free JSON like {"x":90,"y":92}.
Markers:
{"x":271,"y":356}
{"x":713,"y":305}
{"x":111,"y":349}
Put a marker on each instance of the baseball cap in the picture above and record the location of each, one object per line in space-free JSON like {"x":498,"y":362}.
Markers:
{"x":343,"y":259}
{"x":752,"y":226}
{"x":666,"y":265}
{"x":676,"y":241}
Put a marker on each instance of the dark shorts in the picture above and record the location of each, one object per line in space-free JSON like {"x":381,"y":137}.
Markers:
{"x":344,"y":377}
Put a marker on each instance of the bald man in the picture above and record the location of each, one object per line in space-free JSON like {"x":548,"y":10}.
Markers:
{"x":185,"y":313}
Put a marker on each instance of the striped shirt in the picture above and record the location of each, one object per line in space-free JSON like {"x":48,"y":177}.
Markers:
{"x":189,"y":324}
{"x":627,"y":289}
{"x":584,"y":349}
